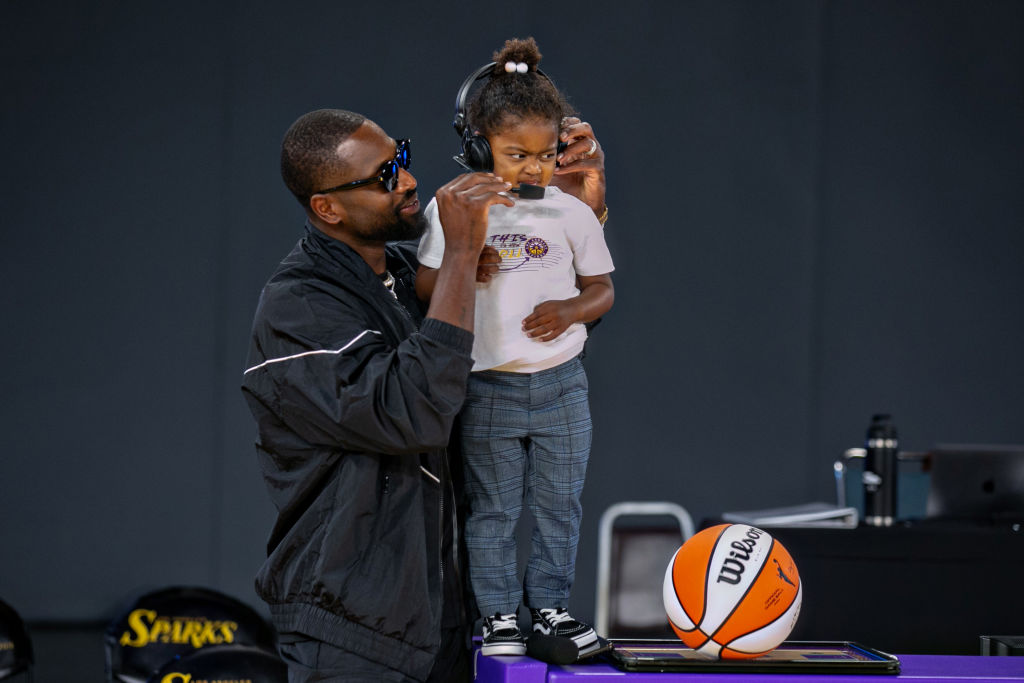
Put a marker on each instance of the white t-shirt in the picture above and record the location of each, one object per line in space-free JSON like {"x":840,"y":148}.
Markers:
{"x":544,"y":244}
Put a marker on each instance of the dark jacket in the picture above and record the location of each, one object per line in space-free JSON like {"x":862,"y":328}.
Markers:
{"x":354,"y":401}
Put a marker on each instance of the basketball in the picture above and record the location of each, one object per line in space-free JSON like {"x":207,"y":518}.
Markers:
{"x":732,"y":592}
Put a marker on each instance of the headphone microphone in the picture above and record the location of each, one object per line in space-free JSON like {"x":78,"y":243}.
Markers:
{"x":529,"y":191}
{"x":476,"y":152}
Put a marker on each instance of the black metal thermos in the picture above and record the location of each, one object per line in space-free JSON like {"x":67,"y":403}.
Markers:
{"x":880,"y":472}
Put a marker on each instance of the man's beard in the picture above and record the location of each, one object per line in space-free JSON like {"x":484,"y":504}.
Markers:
{"x":400,"y":229}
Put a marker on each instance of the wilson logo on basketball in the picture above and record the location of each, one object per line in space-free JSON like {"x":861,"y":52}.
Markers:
{"x":733,"y":566}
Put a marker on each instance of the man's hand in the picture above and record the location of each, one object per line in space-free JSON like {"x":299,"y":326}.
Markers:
{"x":462,"y":207}
{"x":581,"y":165}
{"x":488,"y":264}
{"x":550,"y":319}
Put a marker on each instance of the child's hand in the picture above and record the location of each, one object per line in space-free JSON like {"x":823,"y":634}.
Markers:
{"x":550,"y":319}
{"x":487,"y":266}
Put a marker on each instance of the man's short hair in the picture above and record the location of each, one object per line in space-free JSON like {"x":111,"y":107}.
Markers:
{"x":308,"y":149}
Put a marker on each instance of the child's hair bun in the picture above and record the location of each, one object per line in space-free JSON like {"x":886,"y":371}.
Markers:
{"x":517,"y":56}
{"x":516,"y":89}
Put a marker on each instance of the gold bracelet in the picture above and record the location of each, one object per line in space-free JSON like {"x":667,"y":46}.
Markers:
{"x":604,"y":216}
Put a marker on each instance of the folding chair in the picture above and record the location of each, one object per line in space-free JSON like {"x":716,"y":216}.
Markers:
{"x":631,"y":563}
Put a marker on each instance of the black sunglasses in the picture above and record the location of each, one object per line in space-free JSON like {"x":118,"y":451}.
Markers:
{"x":388,"y":174}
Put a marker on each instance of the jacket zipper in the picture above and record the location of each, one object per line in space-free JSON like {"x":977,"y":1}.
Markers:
{"x":400,"y":306}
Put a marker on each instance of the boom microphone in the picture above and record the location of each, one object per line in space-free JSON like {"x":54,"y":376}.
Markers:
{"x":529,"y":191}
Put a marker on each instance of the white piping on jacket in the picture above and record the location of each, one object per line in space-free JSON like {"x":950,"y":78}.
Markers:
{"x":310,"y":353}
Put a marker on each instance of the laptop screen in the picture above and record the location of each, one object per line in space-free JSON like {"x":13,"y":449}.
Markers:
{"x":977,"y":482}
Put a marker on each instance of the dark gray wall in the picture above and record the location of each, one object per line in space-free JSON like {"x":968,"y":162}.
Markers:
{"x":816,"y":214}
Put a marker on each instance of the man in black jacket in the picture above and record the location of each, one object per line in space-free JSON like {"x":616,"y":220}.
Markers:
{"x":354,"y":393}
{"x":354,"y":396}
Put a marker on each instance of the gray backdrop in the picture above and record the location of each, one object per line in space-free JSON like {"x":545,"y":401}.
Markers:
{"x":816,"y":213}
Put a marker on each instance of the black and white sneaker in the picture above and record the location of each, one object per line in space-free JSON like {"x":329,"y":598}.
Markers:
{"x":502,"y":636}
{"x":557,"y":622}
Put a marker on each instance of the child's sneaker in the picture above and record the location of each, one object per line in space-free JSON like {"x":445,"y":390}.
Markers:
{"x":502,"y":636}
{"x":557,"y":622}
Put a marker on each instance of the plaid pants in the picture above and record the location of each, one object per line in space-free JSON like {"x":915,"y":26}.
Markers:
{"x":525,"y":437}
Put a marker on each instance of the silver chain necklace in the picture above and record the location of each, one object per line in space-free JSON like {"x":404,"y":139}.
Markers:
{"x":389,"y":282}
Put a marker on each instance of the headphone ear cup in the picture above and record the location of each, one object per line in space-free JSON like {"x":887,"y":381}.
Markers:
{"x":477,"y":153}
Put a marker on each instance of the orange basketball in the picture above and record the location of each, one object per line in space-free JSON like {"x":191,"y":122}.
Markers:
{"x":732,"y":592}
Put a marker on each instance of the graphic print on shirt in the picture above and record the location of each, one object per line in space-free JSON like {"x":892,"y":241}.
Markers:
{"x":524,"y":253}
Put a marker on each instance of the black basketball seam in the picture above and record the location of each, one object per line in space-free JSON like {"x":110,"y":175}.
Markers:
{"x":706,"y":639}
{"x":676,"y":592}
{"x":750,"y":654}
{"x":691,"y":630}
{"x":707,"y":576}
{"x":782,"y":614}
{"x":747,"y":591}
{"x":684,"y":630}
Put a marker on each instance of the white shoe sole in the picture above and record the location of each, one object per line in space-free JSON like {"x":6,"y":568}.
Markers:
{"x":587,"y":649}
{"x":585,"y":640}
{"x":503,"y":649}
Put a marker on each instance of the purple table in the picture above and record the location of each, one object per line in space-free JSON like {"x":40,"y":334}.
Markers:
{"x":918,"y":668}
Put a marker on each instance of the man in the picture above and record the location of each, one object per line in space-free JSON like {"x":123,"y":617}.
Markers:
{"x":354,"y":395}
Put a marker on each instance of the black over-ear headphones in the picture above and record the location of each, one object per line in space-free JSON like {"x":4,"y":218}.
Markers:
{"x":476,"y":151}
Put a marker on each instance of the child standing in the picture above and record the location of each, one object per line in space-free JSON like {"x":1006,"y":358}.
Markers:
{"x":526,"y":427}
